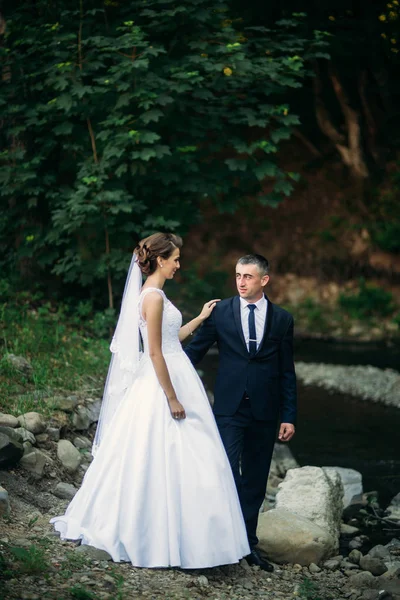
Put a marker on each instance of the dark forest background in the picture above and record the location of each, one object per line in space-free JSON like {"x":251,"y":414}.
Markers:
{"x":241,"y":125}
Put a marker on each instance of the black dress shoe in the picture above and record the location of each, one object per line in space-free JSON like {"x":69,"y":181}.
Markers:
{"x":255,"y":559}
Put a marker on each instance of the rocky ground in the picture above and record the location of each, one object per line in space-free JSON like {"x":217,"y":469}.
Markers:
{"x":37,"y":565}
{"x":42,"y":463}
{"x":366,"y":382}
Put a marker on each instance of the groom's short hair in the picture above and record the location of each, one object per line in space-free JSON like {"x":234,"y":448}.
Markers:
{"x":255,"y":259}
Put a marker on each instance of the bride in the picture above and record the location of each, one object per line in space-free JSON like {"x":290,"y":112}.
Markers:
{"x":159,"y":491}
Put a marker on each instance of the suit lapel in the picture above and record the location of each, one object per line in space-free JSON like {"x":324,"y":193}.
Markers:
{"x":238,"y":320}
{"x":267,"y":326}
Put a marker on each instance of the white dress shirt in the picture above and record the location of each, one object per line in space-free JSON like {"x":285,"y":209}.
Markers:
{"x":260,"y":314}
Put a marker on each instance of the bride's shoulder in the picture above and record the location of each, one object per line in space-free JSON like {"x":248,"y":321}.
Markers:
{"x":152,"y":294}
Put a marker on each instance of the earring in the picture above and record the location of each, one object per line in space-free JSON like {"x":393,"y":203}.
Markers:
{"x":161,"y":266}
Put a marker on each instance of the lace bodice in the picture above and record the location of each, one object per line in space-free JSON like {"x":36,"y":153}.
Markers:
{"x":171,"y":323}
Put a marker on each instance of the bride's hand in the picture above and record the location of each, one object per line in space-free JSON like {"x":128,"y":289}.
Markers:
{"x":208,"y":308}
{"x":177,"y":410}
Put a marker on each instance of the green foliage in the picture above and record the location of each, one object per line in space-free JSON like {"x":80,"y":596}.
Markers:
{"x":119,"y":119}
{"x":386,"y":235}
{"x":196,"y":287}
{"x":384,"y":225}
{"x":80,"y":593}
{"x":369,"y":301}
{"x":308,"y":590}
{"x":66,"y":353}
{"x":30,"y":560}
{"x":314,"y":314}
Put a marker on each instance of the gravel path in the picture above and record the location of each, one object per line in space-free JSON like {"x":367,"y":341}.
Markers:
{"x":366,"y":382}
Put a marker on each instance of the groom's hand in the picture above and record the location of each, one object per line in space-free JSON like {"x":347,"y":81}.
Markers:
{"x":286,"y":432}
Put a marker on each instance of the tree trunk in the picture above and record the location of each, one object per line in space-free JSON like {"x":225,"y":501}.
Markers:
{"x":349,"y":146}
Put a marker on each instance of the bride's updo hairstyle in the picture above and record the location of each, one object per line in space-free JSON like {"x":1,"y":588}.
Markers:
{"x":158,"y":244}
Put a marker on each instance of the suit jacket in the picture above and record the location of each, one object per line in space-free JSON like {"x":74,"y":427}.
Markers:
{"x":268,"y":377}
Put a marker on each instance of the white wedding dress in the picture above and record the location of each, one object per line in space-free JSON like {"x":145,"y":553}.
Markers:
{"x":160,"y":491}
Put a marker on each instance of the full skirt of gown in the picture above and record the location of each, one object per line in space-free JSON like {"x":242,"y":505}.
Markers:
{"x":160,"y":491}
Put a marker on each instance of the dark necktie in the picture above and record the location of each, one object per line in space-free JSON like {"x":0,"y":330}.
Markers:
{"x":252,"y":329}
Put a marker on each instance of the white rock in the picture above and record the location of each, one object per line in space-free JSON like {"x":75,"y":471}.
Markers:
{"x":287,"y":537}
{"x":69,"y":456}
{"x":8,"y":420}
{"x":314,"y":494}
{"x":33,"y":422}
{"x":4,"y":502}
{"x":352,"y":483}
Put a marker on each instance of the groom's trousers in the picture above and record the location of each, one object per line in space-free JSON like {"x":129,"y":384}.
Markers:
{"x":249,"y":445}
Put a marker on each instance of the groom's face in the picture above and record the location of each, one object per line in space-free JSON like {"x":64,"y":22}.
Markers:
{"x":250,"y":283}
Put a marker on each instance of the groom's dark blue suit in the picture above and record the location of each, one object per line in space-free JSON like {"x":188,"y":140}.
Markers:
{"x":251,"y":393}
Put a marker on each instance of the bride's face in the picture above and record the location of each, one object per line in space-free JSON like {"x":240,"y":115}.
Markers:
{"x":171,"y":265}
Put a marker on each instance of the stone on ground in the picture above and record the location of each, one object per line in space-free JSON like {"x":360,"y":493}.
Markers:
{"x":66,"y":404}
{"x":66,"y":491}
{"x":26,"y":435}
{"x":287,"y":537}
{"x":82,"y":442}
{"x":35,"y":462}
{"x":33,"y":422}
{"x":8,"y":420}
{"x":314,"y":494}
{"x":376,"y":566}
{"x":69,"y":456}
{"x":93,"y":553}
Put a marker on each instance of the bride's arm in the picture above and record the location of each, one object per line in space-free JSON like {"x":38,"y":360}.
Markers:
{"x":153,"y":312}
{"x":190,"y":327}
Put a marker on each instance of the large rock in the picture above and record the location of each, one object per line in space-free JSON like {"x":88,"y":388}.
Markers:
{"x":4,"y":502}
{"x":8,"y":420}
{"x":314,"y":494}
{"x":69,"y":456}
{"x":20,"y":364}
{"x":33,"y":422}
{"x":352,"y":483}
{"x":286,"y":537}
{"x":35,"y":462}
{"x":11,"y":451}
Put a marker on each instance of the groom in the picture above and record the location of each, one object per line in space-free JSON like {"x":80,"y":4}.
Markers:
{"x":255,"y":385}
